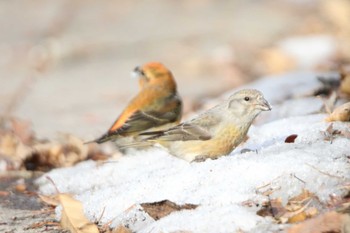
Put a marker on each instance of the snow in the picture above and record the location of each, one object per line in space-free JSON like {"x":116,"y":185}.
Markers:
{"x":309,"y":51}
{"x":220,"y":186}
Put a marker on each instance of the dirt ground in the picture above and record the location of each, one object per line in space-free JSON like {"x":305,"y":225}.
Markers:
{"x":21,"y":208}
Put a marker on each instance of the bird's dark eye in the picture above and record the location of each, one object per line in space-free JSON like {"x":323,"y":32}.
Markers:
{"x":142,"y":73}
{"x":246,"y":98}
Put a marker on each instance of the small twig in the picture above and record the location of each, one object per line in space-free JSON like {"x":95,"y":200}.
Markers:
{"x":274,"y":211}
{"x":53,"y":183}
{"x":42,"y":224}
{"x":125,"y":211}
{"x":99,"y":219}
{"x":324,"y":173}
{"x":269,"y":183}
{"x":270,"y":191}
{"x":298,"y":178}
{"x":290,"y":214}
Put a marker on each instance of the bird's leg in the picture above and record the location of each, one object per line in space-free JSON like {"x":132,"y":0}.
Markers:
{"x":200,"y":158}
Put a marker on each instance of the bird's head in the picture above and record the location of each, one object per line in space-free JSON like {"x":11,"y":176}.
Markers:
{"x":248,"y":102}
{"x":155,"y":74}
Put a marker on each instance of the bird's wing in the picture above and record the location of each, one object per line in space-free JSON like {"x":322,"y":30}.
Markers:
{"x":134,"y":120}
{"x":139,"y":121}
{"x":159,"y":112}
{"x":182,"y":132}
{"x":143,"y":120}
{"x":196,"y":129}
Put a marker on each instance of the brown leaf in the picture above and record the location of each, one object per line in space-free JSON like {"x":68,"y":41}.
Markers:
{"x":273,"y":208}
{"x":345,"y":81}
{"x":45,"y":156}
{"x":291,"y":138}
{"x":12,"y":151}
{"x":8,"y":145}
{"x":297,"y":218}
{"x":296,"y":209}
{"x":121,"y":229}
{"x":73,"y":217}
{"x":297,"y":202}
{"x":341,"y":113}
{"x":329,"y":129}
{"x":311,"y":212}
{"x":50,"y":200}
{"x":328,"y":222}
{"x":21,"y":188}
{"x":163,"y":208}
{"x":330,"y":132}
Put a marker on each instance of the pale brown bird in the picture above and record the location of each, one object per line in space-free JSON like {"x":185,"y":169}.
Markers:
{"x":157,"y":104}
{"x":214,"y":133}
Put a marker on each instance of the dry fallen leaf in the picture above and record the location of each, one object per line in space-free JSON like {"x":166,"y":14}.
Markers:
{"x":299,"y":217}
{"x":19,"y":148}
{"x":163,"y":208}
{"x":341,"y":113}
{"x":273,"y":208}
{"x":13,"y":151}
{"x":295,"y":203}
{"x":328,"y":222}
{"x":67,"y":152}
{"x":296,"y":210}
{"x":73,"y":217}
{"x":121,"y":229}
{"x":345,"y":79}
{"x":21,"y":188}
{"x":50,"y":200}
{"x":330,"y":133}
{"x":345,"y":84}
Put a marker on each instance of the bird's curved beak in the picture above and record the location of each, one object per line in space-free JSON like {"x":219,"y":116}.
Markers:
{"x":264,"y":105}
{"x":137,"y":72}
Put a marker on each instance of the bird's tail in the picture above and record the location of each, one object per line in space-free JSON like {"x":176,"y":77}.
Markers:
{"x":136,"y":145}
{"x":104,"y":138}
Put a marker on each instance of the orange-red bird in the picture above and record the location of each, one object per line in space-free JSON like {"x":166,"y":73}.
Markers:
{"x":157,"y":104}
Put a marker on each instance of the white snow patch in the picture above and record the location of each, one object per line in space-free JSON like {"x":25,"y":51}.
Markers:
{"x":218,"y":186}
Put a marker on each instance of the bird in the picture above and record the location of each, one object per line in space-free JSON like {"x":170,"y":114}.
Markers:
{"x":156,"y":105}
{"x":214,"y":133}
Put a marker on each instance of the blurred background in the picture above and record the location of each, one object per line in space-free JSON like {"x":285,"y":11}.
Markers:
{"x":65,"y":64}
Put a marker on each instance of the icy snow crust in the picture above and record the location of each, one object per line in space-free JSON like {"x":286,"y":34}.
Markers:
{"x":218,"y":186}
